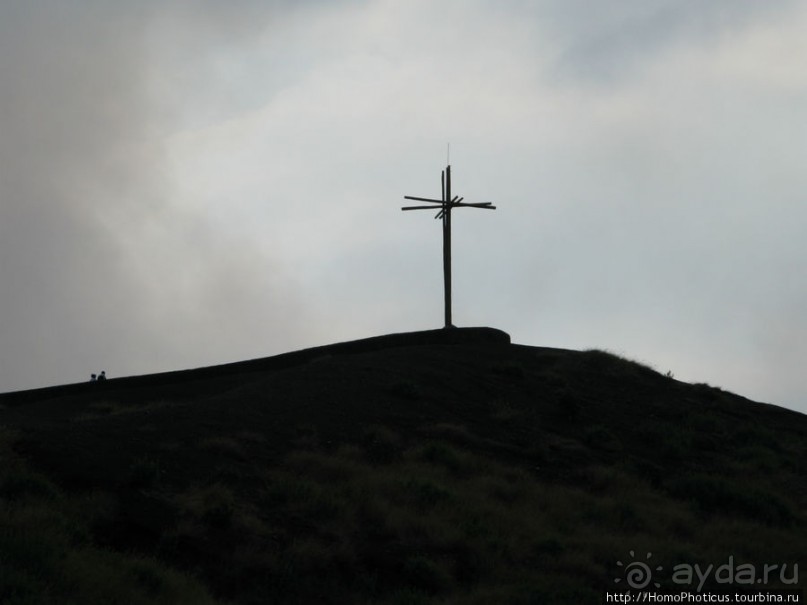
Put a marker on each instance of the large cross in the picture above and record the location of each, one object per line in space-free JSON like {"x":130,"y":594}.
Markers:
{"x":444,"y":207}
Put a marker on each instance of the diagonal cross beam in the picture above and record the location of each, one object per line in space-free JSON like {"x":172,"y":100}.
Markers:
{"x":444,"y":207}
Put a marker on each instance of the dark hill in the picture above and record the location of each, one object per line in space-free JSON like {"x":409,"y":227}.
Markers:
{"x":435,"y":467}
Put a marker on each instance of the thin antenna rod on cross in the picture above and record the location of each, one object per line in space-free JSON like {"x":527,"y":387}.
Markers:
{"x":444,"y":207}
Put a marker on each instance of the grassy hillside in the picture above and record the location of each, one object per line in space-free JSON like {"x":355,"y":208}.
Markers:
{"x":438,"y":467}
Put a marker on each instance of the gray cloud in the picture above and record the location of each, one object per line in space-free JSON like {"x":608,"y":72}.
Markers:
{"x":68,"y":102}
{"x":98,"y":266}
{"x":603,"y":43}
{"x":187,"y":183}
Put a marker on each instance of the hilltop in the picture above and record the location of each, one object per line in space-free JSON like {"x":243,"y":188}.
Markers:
{"x":449,"y":466}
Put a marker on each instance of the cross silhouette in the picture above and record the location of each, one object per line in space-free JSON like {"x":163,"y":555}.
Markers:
{"x":444,"y":207}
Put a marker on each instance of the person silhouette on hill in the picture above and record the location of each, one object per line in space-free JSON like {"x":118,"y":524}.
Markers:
{"x":93,"y":378}
{"x":102,"y":375}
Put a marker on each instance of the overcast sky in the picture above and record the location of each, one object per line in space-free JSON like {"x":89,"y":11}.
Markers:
{"x":186,"y":183}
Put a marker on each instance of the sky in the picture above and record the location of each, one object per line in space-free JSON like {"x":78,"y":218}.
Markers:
{"x":192,"y":182}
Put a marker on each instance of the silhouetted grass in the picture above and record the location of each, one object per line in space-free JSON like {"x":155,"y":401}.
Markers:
{"x":446,"y":476}
{"x":442,"y":520}
{"x":47,"y":554}
{"x":607,"y":362}
{"x":717,"y":495}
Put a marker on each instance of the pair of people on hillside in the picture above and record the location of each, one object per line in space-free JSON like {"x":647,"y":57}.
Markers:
{"x":100,"y":377}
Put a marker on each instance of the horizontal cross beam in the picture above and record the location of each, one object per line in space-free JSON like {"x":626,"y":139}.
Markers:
{"x":423,"y":199}
{"x":486,"y":205}
{"x":455,"y":204}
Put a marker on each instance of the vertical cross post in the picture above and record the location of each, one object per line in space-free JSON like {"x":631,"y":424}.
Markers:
{"x":445,"y":206}
{"x":447,"y":246}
